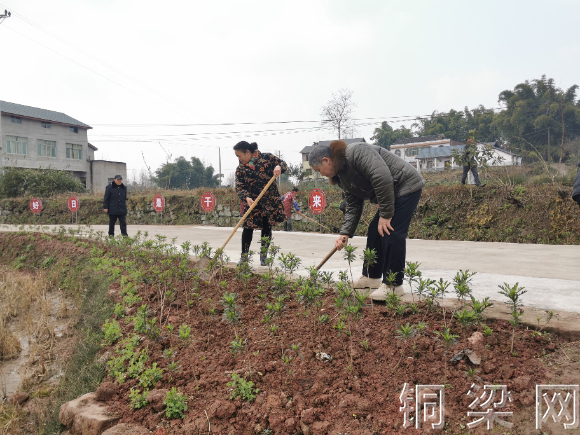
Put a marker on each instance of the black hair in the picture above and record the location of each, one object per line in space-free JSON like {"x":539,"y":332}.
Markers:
{"x":245,"y":146}
{"x":295,"y":189}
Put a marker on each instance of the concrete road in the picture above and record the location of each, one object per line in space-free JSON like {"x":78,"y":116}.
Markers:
{"x":550,"y":273}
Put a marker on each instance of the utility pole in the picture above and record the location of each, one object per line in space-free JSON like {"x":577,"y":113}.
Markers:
{"x":220,"y":168}
{"x":548,"y":146}
{"x":6,"y":15}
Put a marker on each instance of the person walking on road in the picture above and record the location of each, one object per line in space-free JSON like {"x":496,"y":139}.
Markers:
{"x":252,"y":175}
{"x":288,"y":200}
{"x":576,"y":191}
{"x":115,"y":205}
{"x":369,"y":172}
{"x":469,"y":162}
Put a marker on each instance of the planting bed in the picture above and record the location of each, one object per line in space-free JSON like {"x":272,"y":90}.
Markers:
{"x":320,"y":368}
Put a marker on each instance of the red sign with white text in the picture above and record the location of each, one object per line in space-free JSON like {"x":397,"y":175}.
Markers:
{"x":317,"y":201}
{"x":158,"y":203}
{"x":35,"y":205}
{"x":207,"y":201}
{"x":74,"y":204}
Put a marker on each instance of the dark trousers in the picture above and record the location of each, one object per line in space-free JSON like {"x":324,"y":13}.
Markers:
{"x":392,"y":249}
{"x":248,"y":235}
{"x":122,"y":223}
{"x":473,"y":171}
{"x":288,"y":224}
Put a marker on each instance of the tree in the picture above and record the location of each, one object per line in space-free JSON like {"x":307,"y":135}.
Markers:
{"x":186,"y":174}
{"x":337,"y":114}
{"x":16,"y":182}
{"x":534,"y":110}
{"x":456,"y":125}
{"x":385,"y":135}
{"x":295,"y":171}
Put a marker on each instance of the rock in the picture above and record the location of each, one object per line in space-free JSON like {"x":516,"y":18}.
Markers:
{"x":522,"y":383}
{"x":106,"y":391}
{"x":320,"y":428}
{"x":487,"y":367}
{"x":127,"y":429}
{"x":156,"y":398}
{"x":86,"y":416}
{"x":18,"y":398}
{"x":307,"y":416}
{"x":476,"y":339}
{"x":289,"y":424}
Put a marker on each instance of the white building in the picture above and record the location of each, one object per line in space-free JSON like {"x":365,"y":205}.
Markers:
{"x":409,"y":148}
{"x":37,"y":138}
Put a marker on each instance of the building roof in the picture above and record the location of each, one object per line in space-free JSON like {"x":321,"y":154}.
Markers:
{"x":429,"y":153}
{"x":41,"y":114}
{"x":307,"y":149}
{"x":93,"y":147}
{"x":419,"y":139}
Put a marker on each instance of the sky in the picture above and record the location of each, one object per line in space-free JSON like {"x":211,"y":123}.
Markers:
{"x":146,"y":74}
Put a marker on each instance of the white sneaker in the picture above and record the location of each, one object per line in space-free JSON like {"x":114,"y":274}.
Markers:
{"x":381,"y":293}
{"x":366,"y":282}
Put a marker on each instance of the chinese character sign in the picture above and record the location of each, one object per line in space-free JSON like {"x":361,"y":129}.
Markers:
{"x":35,"y":205}
{"x":491,"y":400}
{"x":74,"y":204}
{"x":428,"y":409}
{"x":207,"y":201}
{"x":158,"y":203}
{"x":557,"y":404}
{"x":317,"y":201}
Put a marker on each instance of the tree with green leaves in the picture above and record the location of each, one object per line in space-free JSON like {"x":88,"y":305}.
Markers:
{"x":186,"y":174}
{"x":385,"y":135}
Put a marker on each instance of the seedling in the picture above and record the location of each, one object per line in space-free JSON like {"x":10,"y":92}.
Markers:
{"x":466,"y":318}
{"x":290,"y":262}
{"x":369,"y":258}
{"x":422,"y":326}
{"x":350,"y":256}
{"x":323,"y":318}
{"x":448,"y":341}
{"x":237,"y":346}
{"x":231,"y":310}
{"x":513,"y":293}
{"x":274,"y":328}
{"x":340,"y":326}
{"x":136,"y":399}
{"x":479,"y":307}
{"x":242,"y":388}
{"x":412,"y":273}
{"x":175,"y":404}
{"x":423,"y":286}
{"x":151,"y":376}
{"x":471,"y":372}
{"x":327,"y":278}
{"x":365,"y":344}
{"x":391,"y":280}
{"x":184,"y":332}
{"x":550,"y":314}
{"x":487,"y":331}
{"x":112,"y":331}
{"x":461,"y":283}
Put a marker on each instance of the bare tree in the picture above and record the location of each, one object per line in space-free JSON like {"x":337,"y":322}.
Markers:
{"x":337,"y":114}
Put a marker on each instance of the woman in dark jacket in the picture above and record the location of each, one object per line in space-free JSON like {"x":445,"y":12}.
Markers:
{"x":252,"y":175}
{"x":369,"y":172}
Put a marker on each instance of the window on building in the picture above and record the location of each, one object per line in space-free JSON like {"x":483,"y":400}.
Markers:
{"x":45,"y":124}
{"x":410,"y":152}
{"x":74,"y":129}
{"x":46,"y":148}
{"x":398,"y":153}
{"x":74,"y":151}
{"x":15,"y":120}
{"x":16,"y":145}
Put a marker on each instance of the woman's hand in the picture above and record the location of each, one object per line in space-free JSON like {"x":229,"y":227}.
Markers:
{"x":384,"y":226}
{"x":277,"y":171}
{"x":341,"y":242}
{"x":250,"y":201}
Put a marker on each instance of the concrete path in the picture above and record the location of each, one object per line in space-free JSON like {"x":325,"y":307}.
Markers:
{"x":550,"y":273}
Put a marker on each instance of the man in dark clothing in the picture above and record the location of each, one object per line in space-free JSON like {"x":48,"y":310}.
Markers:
{"x":468,"y":159}
{"x":576,"y":192}
{"x":115,"y":205}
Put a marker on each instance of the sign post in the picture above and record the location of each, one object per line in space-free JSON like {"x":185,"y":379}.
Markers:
{"x":73,"y":205}
{"x":35,"y":206}
{"x":208,"y":203}
{"x":159,"y":204}
{"x":317,"y":203}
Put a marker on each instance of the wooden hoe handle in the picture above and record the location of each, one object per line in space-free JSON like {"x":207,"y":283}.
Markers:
{"x":330,"y":254}
{"x":249,"y":211}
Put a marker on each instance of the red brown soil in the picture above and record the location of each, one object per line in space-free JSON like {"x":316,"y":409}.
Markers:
{"x":326,"y":397}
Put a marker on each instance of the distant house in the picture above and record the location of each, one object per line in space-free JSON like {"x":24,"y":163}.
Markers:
{"x":409,"y":148}
{"x":306,"y":169}
{"x":439,"y":158}
{"x":38,"y":138}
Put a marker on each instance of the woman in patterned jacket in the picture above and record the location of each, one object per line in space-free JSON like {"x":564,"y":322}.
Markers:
{"x":252,"y":175}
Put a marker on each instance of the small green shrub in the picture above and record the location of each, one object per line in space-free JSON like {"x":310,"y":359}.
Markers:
{"x":120,"y":310}
{"x":137,"y":400}
{"x":151,"y":376}
{"x":175,"y":404}
{"x":242,"y":388}
{"x":112,"y":331}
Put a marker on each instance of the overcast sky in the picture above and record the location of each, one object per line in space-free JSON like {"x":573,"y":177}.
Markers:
{"x":131,"y":69}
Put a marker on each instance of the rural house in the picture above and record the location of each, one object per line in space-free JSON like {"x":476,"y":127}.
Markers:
{"x":308,"y":175}
{"x":38,"y":138}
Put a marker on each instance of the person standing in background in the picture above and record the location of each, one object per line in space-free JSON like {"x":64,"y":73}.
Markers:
{"x":115,"y":205}
{"x":288,"y":200}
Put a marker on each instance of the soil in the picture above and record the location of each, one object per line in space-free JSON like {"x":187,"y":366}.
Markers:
{"x":357,"y":392}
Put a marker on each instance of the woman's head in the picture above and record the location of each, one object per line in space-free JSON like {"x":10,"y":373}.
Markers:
{"x":320,"y":160}
{"x":244,"y":151}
